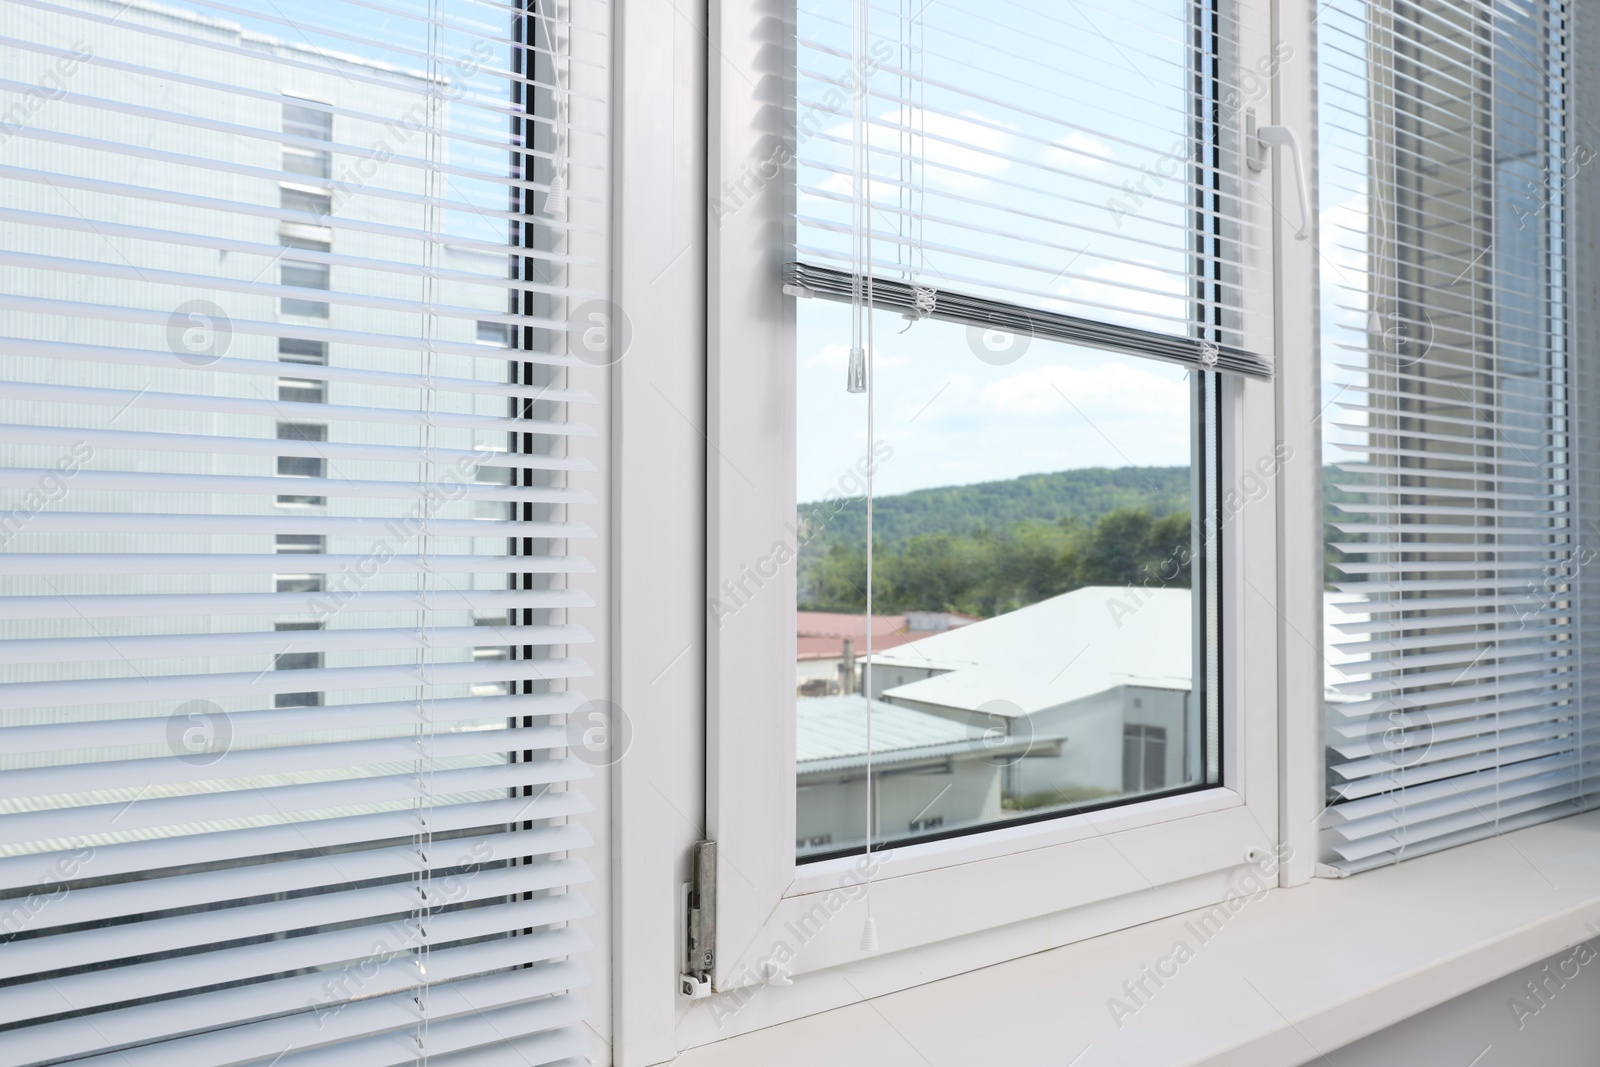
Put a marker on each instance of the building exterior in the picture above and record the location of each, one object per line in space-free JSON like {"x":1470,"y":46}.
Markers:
{"x":1102,"y":695}
{"x":259,"y":247}
{"x":929,"y":772}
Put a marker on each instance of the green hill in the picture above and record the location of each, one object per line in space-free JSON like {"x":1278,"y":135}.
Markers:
{"x":967,"y":510}
{"x":992,"y":547}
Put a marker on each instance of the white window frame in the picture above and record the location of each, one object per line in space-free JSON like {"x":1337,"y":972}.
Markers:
{"x":925,"y":894}
{"x":712,"y":708}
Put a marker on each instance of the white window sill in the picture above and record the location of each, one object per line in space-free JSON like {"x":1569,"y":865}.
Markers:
{"x":1289,"y":976}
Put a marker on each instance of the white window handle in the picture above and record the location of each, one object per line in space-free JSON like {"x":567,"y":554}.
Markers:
{"x":1281,"y":137}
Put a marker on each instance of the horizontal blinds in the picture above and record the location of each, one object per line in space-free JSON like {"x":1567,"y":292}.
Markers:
{"x":1455,"y":656}
{"x":1027,"y":167}
{"x":293,"y":529}
{"x":955,"y":307}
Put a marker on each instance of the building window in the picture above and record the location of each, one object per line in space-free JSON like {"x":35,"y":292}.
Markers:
{"x":304,"y":275}
{"x":295,"y":660}
{"x":302,"y":121}
{"x":314,"y":202}
{"x":1144,"y":758}
{"x":301,"y":466}
{"x":299,"y":545}
{"x":308,"y":353}
{"x":302,"y":390}
{"x":497,"y":334}
{"x":296,"y":350}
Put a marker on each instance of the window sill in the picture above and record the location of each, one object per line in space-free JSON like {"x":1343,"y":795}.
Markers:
{"x":1288,"y":977}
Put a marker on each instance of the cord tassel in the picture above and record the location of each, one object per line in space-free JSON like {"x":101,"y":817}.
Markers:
{"x":869,"y":935}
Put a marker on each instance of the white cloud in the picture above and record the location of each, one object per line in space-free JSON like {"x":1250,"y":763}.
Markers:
{"x":1111,"y":390}
{"x":1132,"y":294}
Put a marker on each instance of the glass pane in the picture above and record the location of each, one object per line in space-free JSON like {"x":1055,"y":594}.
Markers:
{"x":326,"y":184}
{"x":1454,"y":480}
{"x":1042,"y":156}
{"x":1033,"y":642}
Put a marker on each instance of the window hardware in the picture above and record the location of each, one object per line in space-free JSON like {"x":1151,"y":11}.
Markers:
{"x":700,"y":953}
{"x":1257,"y":140}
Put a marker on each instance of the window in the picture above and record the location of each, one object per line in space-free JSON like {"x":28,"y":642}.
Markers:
{"x":305,"y":275}
{"x":1144,"y":758}
{"x":310,"y":353}
{"x":1037,"y":527}
{"x":1456,"y":530}
{"x":998,"y":365}
{"x":263,"y":801}
{"x":1024,"y":441}
{"x":302,"y":390}
{"x":494,"y":333}
{"x":291,"y":660}
{"x":313,"y":201}
{"x":297,"y":350}
{"x":299,"y":121}
{"x":299,"y":545}
{"x":302,"y":466}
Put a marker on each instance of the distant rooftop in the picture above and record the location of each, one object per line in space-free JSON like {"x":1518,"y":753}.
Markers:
{"x":822,"y":634}
{"x":831,"y":734}
{"x":1054,"y":652}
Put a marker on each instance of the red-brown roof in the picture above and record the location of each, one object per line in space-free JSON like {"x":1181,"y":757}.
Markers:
{"x":822,"y":634}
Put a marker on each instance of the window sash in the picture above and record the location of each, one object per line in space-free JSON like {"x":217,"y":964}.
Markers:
{"x":750,"y":656}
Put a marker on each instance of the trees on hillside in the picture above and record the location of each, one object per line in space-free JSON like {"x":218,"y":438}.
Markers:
{"x":990,"y":572}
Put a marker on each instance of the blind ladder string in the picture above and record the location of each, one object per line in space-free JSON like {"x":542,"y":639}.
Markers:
{"x":427,"y":733}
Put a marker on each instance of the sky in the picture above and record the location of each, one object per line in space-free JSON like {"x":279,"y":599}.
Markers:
{"x":1016,"y":153}
{"x":952,"y":418}
{"x":949,"y":416}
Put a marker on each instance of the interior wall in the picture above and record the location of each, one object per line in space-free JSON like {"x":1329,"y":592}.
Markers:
{"x":1548,"y":1015}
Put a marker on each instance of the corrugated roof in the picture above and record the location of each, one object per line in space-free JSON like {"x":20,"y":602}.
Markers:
{"x":822,"y":634}
{"x":826,"y":727}
{"x":1054,"y":652}
{"x":831,"y":734}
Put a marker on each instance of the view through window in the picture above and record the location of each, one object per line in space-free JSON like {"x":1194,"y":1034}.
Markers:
{"x":1051,"y":224}
{"x":1033,"y":631}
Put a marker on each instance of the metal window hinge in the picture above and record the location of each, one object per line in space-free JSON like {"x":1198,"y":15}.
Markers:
{"x":700,"y":944}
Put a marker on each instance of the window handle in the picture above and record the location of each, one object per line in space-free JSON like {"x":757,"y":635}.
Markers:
{"x":1283,"y":137}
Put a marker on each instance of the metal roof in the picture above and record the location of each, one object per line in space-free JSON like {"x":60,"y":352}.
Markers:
{"x":1054,"y":652}
{"x":831,"y":734}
